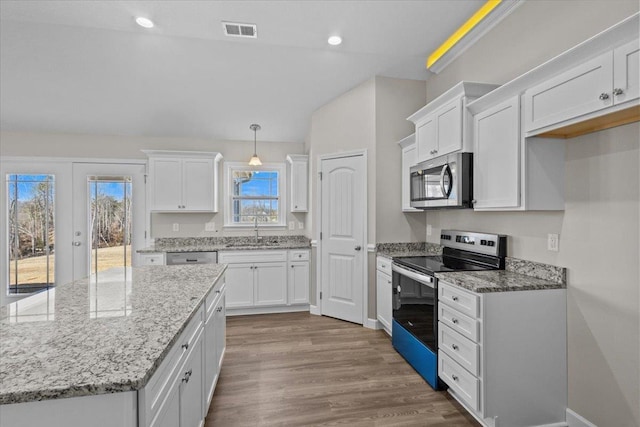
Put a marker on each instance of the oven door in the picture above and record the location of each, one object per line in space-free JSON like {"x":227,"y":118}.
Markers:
{"x":415,"y":304}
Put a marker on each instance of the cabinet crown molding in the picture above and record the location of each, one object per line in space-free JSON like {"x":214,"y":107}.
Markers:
{"x":175,"y":154}
{"x":468,"y":89}
{"x":407,"y":141}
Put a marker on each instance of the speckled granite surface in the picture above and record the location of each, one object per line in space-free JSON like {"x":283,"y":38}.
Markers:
{"x":211,"y":244}
{"x":87,"y":338}
{"x":546,"y":272}
{"x":497,"y":281}
{"x":391,"y":250}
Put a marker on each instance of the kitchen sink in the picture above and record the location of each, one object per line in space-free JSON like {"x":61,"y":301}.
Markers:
{"x":250,"y":244}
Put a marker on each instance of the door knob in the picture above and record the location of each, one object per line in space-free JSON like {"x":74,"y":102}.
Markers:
{"x":357,"y":248}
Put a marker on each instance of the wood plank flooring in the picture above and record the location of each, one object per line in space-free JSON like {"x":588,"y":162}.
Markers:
{"x":297,"y":369}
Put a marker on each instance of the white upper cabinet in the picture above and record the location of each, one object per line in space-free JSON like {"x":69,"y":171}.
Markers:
{"x":444,"y":126}
{"x":581,"y":90}
{"x":183,"y":181}
{"x":299,"y":179}
{"x":496,"y":157}
{"x":626,"y":72}
{"x":408,"y":146}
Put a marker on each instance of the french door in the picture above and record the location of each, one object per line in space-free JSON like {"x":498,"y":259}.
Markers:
{"x":108,"y":217}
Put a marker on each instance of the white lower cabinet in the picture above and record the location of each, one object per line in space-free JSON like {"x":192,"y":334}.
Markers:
{"x":180,"y":391}
{"x":266,"y":280}
{"x":503,"y":354}
{"x":214,"y":343}
{"x":384,"y":293}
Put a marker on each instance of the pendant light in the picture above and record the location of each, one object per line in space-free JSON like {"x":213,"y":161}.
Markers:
{"x":255,"y":160}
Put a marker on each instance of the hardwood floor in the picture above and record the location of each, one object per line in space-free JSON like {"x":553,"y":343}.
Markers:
{"x":297,"y":369}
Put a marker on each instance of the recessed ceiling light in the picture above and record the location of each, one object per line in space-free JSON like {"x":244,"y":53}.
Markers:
{"x":144,"y":22}
{"x":334,"y":40}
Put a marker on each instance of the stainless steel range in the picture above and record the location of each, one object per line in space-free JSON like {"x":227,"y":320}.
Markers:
{"x":415,"y":293}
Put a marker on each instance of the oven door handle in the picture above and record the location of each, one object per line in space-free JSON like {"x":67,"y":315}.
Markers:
{"x":420,"y":278}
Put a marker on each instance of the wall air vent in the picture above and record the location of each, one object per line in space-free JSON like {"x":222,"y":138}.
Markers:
{"x":236,"y":29}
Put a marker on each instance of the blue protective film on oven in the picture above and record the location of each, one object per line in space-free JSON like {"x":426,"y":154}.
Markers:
{"x":419,"y":356}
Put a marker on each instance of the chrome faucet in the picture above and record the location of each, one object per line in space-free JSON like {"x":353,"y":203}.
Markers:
{"x":255,"y":228}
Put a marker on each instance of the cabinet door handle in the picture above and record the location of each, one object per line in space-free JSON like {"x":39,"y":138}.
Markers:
{"x":185,"y":346}
{"x":187,"y":375}
{"x":454,"y":377}
{"x":455,"y":347}
{"x":292,"y":266}
{"x":617,"y":91}
{"x":219,"y":308}
{"x":454,"y":320}
{"x":455,"y":298}
{"x":603,"y":96}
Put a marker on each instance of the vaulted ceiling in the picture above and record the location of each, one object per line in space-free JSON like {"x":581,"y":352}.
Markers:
{"x":86,"y":67}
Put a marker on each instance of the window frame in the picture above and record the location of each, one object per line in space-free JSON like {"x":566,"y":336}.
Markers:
{"x":230,"y":167}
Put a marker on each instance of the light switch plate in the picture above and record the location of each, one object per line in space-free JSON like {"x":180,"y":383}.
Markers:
{"x":176,"y":226}
{"x":292,"y":225}
{"x":553,"y":242}
{"x":429,"y":230}
{"x":210,"y":226}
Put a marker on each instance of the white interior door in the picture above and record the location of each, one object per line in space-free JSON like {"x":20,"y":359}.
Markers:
{"x":343,"y":219}
{"x":108,"y":216}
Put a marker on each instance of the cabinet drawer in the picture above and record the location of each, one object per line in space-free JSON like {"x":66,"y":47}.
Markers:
{"x":152,"y":259}
{"x":460,"y":323}
{"x":383,"y":264}
{"x":461,"y":349}
{"x":462,"y":382}
{"x":463,"y":301}
{"x":213,"y":297}
{"x":299,"y":255}
{"x":251,"y":256}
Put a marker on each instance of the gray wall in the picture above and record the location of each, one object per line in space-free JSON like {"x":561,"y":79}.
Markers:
{"x":127,"y":147}
{"x":371,"y":116}
{"x":600,"y":224}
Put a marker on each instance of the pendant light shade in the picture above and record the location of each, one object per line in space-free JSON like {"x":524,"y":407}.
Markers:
{"x":255,"y":160}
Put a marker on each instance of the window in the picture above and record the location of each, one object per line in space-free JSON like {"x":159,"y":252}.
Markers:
{"x":31,"y":232}
{"x":254,"y":195}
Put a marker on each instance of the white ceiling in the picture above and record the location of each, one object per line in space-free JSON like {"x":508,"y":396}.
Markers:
{"x":86,"y":67}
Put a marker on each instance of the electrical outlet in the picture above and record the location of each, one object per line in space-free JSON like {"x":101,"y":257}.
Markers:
{"x":292,"y":225}
{"x":553,"y":242}
{"x":301,"y":225}
{"x":210,"y":226}
{"x":429,"y":230}
{"x":176,"y":226}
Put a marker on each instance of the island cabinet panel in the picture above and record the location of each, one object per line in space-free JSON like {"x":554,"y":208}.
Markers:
{"x":214,"y":342}
{"x":105,"y":410}
{"x":191,"y":386}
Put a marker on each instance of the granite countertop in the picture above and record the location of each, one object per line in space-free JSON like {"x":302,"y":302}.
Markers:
{"x":497,"y":281}
{"x":395,"y":250}
{"x":219,"y":244}
{"x":94,"y":337}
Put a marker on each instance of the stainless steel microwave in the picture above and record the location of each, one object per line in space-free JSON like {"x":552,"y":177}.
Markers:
{"x":442,"y":182}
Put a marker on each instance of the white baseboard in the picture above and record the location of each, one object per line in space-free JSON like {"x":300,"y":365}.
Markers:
{"x":266,"y":310}
{"x":372,"y":324}
{"x":314,"y":309}
{"x":575,"y":420}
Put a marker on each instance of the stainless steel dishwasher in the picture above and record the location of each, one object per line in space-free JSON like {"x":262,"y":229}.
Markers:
{"x":183,"y":258}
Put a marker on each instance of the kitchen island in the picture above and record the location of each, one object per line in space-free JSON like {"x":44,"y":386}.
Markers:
{"x":91,"y":348}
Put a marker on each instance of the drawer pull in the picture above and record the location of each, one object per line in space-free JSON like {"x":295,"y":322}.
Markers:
{"x":455,"y":298}
{"x":185,"y":346}
{"x":454,"y":377}
{"x":219,"y":308}
{"x":187,"y":375}
{"x":454,"y":320}
{"x":454,"y":346}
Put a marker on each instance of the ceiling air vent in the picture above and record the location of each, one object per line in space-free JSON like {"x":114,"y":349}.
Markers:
{"x":236,"y":29}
